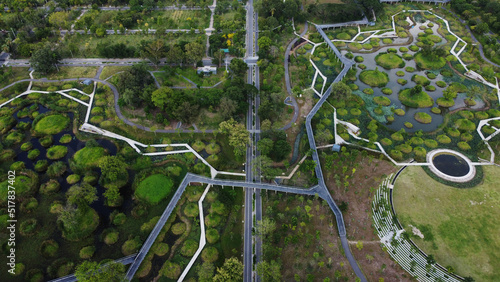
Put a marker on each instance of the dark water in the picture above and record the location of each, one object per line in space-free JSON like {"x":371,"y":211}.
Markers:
{"x":451,"y":165}
{"x":398,"y":123}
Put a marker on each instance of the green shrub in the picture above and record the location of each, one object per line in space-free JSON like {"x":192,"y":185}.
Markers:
{"x":405,"y":148}
{"x":430,"y":88}
{"x":87,"y":252}
{"x":361,"y":66}
{"x":408,"y":57}
{"x":445,"y":103}
{"x":399,"y":112}
{"x":381,"y":100}
{"x":430,"y":143}
{"x":367,"y":46}
{"x":131,"y":246}
{"x":51,"y":186}
{"x":57,"y":152}
{"x":403,"y":49}
{"x":418,"y":100}
{"x":422,"y":80}
{"x":189,"y":248}
{"x":409,"y":69}
{"x":387,"y":41}
{"x":171,"y":270}
{"x":111,"y":238}
{"x":443,"y":139}
{"x":41,"y":165}
{"x":387,"y":91}
{"x":402,"y":81}
{"x":161,"y":249}
{"x":56,"y":169}
{"x":178,"y":228}
{"x":359,"y":59}
{"x":386,"y":142}
{"x":191,"y":210}
{"x":389,"y":60}
{"x":51,"y":124}
{"x":390,"y":118}
{"x":463,"y":146}
{"x":400,"y":73}
{"x":465,"y":124}
{"x":397,"y":136}
{"x":26,"y":146}
{"x":368,"y":91}
{"x":374,"y":78}
{"x":355,"y":112}
{"x":481,"y":115}
{"x":212,"y":235}
{"x":210,"y":254}
{"x":416,"y":140}
{"x":154,"y":188}
{"x":408,"y":124}
{"x":436,"y":110}
{"x":396,"y":154}
{"x":441,"y":83}
{"x":466,"y":137}
{"x":414,"y":48}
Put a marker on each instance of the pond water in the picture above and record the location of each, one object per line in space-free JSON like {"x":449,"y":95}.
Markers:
{"x":398,"y":123}
{"x":452,"y":165}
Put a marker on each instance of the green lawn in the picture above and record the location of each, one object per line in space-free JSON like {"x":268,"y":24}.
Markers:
{"x":389,"y":61}
{"x":70,"y":72}
{"x":154,"y":188}
{"x":51,"y":124}
{"x":89,"y":157}
{"x":425,"y":63}
{"x":461,"y":227}
{"x":374,"y":78}
{"x":420,"y":100}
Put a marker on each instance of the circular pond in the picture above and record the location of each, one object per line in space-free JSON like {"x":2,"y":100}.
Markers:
{"x":451,"y":165}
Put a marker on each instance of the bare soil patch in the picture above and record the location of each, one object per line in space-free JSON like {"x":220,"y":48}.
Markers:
{"x":352,"y":178}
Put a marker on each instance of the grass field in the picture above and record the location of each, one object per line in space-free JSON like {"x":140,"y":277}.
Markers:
{"x":461,"y":227}
{"x":112,"y":70}
{"x":154,"y":188}
{"x":89,"y":157}
{"x":51,"y":124}
{"x":70,"y":72}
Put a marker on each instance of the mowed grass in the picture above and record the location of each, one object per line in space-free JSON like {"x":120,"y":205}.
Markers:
{"x":52,"y":124}
{"x":89,"y":157}
{"x":154,"y":188}
{"x":71,"y":72}
{"x":112,"y":70}
{"x":461,"y":226}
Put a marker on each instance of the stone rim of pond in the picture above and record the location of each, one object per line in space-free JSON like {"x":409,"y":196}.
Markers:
{"x":459,"y":179}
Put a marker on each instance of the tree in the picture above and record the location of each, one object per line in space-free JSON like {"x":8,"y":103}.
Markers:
{"x":231,"y":271}
{"x":269,"y":271}
{"x":175,"y":55}
{"x":238,"y":136}
{"x":219,"y":55}
{"x":341,"y":91}
{"x":430,"y":259}
{"x":194,"y":52}
{"x":186,"y":112}
{"x":112,"y":169}
{"x":473,"y":92}
{"x":482,"y":28}
{"x":160,"y":97}
{"x":206,"y":272}
{"x":154,"y":51}
{"x":265,"y":227}
{"x":113,"y":197}
{"x":238,"y":68}
{"x":263,"y":165}
{"x":265,"y":146}
{"x":45,"y":59}
{"x":264,"y":43}
{"x":82,"y":194}
{"x":59,"y":19}
{"x":469,"y":279}
{"x":90,"y":271}
{"x":227,"y":107}
{"x":416,"y":90}
{"x":449,"y":93}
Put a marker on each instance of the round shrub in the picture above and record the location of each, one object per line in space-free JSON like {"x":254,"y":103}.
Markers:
{"x":154,"y":188}
{"x":386,"y":142}
{"x":423,"y":117}
{"x":33,"y":154}
{"x":465,"y":124}
{"x":416,"y":140}
{"x":65,"y":139}
{"x":389,"y":60}
{"x":463,"y":146}
{"x":361,"y":66}
{"x":387,"y":41}
{"x":57,"y":152}
{"x":46,"y":141}
{"x":402,"y":81}
{"x":359,"y":59}
{"x":191,"y":210}
{"x":408,"y":124}
{"x":408,"y":57}
{"x":212,"y":148}
{"x":443,"y":139}
{"x":390,"y":118}
{"x":198,"y":146}
{"x":400,"y":73}
{"x":430,"y":88}
{"x":374,"y":78}
{"x":397,"y":136}
{"x":178,"y":228}
{"x":342,"y":112}
{"x":171,"y":270}
{"x":409,"y":69}
{"x":399,"y":112}
{"x":381,"y":100}
{"x":387,"y":91}
{"x":436,"y":110}
{"x":131,"y":246}
{"x":49,"y":248}
{"x":368,"y":91}
{"x":430,"y":75}
{"x":51,"y":124}
{"x":353,"y":86}
{"x":367,"y":46}
{"x":431,"y":143}
{"x":466,"y":137}
{"x":111,"y":238}
{"x":481,"y":115}
{"x":420,"y":152}
{"x":441,"y":83}
{"x":26,"y":146}
{"x":56,"y":169}
{"x":41,"y":165}
{"x":466,"y":114}
{"x":29,"y":205}
{"x":161,"y":249}
{"x":403,"y":49}
{"x":212,"y":235}
{"x":87,"y":252}
{"x":51,"y":186}
{"x":72,"y":179}
{"x":445,"y":103}
{"x":210,"y":254}
{"x":213,"y":220}
{"x":28,"y":227}
{"x":414,"y":48}
{"x":19,"y":165}
{"x":119,"y":219}
{"x":396,"y":154}
{"x":189,"y":248}
{"x":419,"y":79}
{"x":415,"y":100}
{"x":425,"y":63}
{"x":355,"y":112}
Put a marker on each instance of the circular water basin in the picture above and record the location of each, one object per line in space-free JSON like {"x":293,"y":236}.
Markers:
{"x":451,"y":165}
